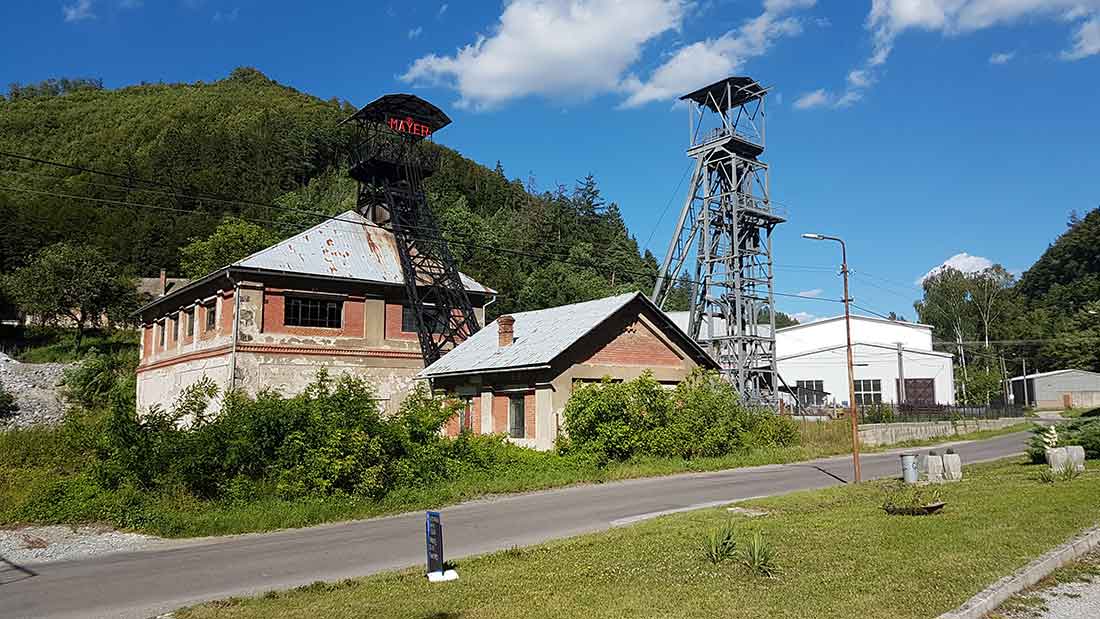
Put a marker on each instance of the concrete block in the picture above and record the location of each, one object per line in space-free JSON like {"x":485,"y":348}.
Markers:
{"x":1057,"y":459}
{"x":1076,"y":456}
{"x":952,"y":467}
{"x":931,"y":467}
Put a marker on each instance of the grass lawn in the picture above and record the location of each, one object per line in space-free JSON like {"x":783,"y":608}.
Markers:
{"x":840,"y":556}
{"x":181,"y":515}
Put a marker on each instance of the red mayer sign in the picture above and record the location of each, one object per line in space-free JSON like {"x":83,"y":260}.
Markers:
{"x":410,"y":126}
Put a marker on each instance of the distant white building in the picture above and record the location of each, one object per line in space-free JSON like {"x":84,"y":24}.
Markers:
{"x":812,"y":361}
{"x":812,"y":358}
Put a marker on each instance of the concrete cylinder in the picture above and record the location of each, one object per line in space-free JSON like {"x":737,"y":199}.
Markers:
{"x":909,"y":468}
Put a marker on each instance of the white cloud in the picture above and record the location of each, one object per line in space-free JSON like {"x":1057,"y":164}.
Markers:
{"x":78,"y":11}
{"x":415,"y":32}
{"x":804,"y":317}
{"x":961,"y":262}
{"x":1086,"y":42}
{"x":1002,"y":57}
{"x":817,"y":98}
{"x":226,"y":17}
{"x":811,"y":294}
{"x":569,"y":49}
{"x":889,"y":19}
{"x":707,"y":61}
{"x":442,"y":9}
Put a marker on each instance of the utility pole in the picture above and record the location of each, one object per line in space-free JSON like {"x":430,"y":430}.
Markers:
{"x":853,"y":415}
{"x":901,"y":377}
{"x":1027,"y":400}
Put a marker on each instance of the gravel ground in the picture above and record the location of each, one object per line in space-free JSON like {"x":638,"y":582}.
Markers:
{"x":35,"y":387}
{"x":1072,"y":592}
{"x":39,"y":544}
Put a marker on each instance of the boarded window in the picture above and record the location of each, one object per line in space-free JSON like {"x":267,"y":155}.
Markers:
{"x":310,"y":312}
{"x":868,"y":391}
{"x":920,"y":391}
{"x":517,"y":417}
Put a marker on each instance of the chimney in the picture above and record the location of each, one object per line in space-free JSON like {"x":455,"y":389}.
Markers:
{"x":506,"y":328}
{"x":163,"y":282}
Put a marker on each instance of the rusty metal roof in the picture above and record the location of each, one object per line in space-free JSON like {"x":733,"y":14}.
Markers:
{"x":542,"y":335}
{"x":346,"y":246}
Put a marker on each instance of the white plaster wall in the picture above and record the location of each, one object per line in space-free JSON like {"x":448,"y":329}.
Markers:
{"x":815,"y":335}
{"x":164,"y":385}
{"x":831,"y":367}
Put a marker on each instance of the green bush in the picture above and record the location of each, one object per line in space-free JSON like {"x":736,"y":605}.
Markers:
{"x":701,"y":417}
{"x":90,"y":383}
{"x":1083,"y":431}
{"x":720,"y":545}
{"x":7,"y":403}
{"x":877,"y":413}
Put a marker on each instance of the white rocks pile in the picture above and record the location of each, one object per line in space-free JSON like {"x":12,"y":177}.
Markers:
{"x":39,"y":544}
{"x":36,"y":387}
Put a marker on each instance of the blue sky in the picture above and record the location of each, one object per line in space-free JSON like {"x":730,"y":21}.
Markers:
{"x":918,"y":130}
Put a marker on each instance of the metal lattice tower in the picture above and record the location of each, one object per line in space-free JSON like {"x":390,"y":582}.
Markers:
{"x":725,"y":229}
{"x":390,"y":158}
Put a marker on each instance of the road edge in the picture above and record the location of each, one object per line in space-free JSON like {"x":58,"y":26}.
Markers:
{"x":994,"y":595}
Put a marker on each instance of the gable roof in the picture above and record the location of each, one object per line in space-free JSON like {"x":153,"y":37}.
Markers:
{"x":542,"y":335}
{"x":347,"y":246}
{"x":886,"y":321}
{"x":1055,"y":373}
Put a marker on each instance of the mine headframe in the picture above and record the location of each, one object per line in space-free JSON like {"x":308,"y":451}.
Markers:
{"x":391,"y":154}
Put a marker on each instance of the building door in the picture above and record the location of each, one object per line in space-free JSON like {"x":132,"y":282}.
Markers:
{"x":920,"y":391}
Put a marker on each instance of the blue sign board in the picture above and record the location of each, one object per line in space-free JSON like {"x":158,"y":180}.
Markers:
{"x":434,"y":533}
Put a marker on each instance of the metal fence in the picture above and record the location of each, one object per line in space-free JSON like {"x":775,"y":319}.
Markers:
{"x":906,"y":413}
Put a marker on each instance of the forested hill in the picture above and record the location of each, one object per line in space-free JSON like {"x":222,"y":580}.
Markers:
{"x":256,"y":142}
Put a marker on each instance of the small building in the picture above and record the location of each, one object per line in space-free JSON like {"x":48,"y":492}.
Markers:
{"x":331,"y":297}
{"x":1057,"y":389}
{"x":812,"y":361}
{"x":516,"y":375}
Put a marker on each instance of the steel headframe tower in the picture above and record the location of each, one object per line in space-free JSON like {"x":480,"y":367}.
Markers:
{"x":390,"y":157}
{"x":728,"y":219}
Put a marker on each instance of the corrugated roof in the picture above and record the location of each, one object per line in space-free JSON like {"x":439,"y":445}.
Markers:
{"x":540,"y":336}
{"x":347,"y":246}
{"x":1054,"y":373}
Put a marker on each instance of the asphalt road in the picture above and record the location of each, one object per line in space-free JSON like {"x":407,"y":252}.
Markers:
{"x":146,"y":583}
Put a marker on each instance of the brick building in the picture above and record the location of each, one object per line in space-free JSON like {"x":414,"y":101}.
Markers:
{"x":331,"y":297}
{"x":516,"y":374}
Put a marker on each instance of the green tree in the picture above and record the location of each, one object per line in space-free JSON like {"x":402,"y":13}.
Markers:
{"x":75,"y":282}
{"x":232,"y":240}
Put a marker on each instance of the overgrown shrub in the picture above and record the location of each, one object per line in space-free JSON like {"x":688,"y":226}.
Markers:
{"x":760,"y":557}
{"x":7,"y":403}
{"x":90,"y":383}
{"x":877,"y":413}
{"x":1083,"y":431}
{"x":330,"y":439}
{"x":902,"y":496}
{"x":703,"y":416}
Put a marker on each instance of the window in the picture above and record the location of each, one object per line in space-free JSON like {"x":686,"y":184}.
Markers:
{"x":162,"y":328}
{"x":309,"y":312}
{"x":868,"y":391}
{"x":466,"y":418}
{"x":211,"y":316}
{"x":408,"y":320}
{"x":189,"y":322}
{"x":517,"y":417}
{"x":172,"y":333}
{"x":811,"y":392}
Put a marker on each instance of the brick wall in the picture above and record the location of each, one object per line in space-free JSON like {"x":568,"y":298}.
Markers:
{"x":500,"y":415}
{"x":147,"y":341}
{"x":393,"y":324}
{"x":227,"y":313}
{"x":636,"y":345}
{"x":529,"y":415}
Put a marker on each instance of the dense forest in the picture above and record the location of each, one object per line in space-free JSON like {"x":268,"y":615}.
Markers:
{"x":184,"y":158}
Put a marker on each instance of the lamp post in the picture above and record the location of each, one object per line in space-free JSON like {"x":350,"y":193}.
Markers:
{"x":852,"y":413}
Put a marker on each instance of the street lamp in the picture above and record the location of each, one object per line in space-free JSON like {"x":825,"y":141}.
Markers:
{"x":852,"y":414}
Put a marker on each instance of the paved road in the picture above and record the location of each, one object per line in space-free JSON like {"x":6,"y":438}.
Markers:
{"x":143,"y":584}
